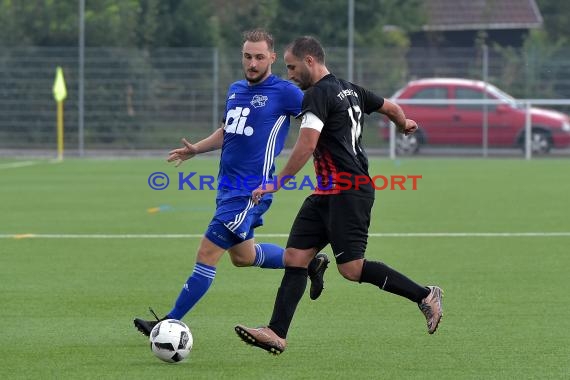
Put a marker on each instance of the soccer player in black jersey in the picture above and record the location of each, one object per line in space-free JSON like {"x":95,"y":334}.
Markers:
{"x":338,"y":212}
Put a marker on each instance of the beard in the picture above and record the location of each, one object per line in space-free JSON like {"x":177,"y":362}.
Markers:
{"x":254,"y":77}
{"x":304,"y":81}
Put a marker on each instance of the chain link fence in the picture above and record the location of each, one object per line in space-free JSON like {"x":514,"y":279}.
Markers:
{"x":139,"y":101}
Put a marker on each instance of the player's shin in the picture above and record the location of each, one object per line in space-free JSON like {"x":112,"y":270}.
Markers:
{"x":288,"y":296}
{"x":388,"y":279}
{"x":195,"y":287}
{"x":269,"y":256}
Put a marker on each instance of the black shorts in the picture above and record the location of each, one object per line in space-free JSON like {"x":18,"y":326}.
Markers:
{"x":341,"y":220}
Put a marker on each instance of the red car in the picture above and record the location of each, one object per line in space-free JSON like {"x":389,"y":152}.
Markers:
{"x":461,"y":124}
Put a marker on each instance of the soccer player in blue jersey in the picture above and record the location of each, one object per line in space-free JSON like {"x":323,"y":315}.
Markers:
{"x":253,"y":133}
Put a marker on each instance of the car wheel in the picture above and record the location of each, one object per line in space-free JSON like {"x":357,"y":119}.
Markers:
{"x":540,"y":142}
{"x":407,"y":145}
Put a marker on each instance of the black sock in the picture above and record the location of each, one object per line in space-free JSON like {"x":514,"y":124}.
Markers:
{"x":288,"y":296}
{"x":388,"y":279}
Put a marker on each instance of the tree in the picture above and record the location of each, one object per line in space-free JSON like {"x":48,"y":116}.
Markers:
{"x":110,"y":23}
{"x":185,"y":23}
{"x":556,"y":21}
{"x":38,"y":23}
{"x":327,"y":19}
{"x":244,"y":15}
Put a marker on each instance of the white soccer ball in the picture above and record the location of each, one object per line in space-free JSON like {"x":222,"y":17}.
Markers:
{"x":171,"y":341}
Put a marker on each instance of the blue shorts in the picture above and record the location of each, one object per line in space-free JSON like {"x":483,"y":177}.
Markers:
{"x":235,"y":219}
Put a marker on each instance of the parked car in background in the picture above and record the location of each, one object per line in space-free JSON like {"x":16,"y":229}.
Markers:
{"x":462,"y":124}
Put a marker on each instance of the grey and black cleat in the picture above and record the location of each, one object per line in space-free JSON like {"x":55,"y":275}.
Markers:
{"x":432,"y":308}
{"x":262,"y":337}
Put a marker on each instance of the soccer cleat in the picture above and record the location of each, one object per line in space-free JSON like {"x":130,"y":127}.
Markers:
{"x":317,"y":270}
{"x":262,"y":337}
{"x":145,"y":326}
{"x":431,"y":308}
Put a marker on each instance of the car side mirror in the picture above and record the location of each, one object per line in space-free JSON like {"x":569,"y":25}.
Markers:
{"x":502,"y":108}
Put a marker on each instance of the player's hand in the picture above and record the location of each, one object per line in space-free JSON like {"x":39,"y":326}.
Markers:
{"x":182,"y":154}
{"x":410,"y":128}
{"x":258,"y":193}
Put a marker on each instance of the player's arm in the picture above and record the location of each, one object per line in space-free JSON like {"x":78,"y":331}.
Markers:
{"x":212,"y":142}
{"x":189,"y":150}
{"x":302,"y":151}
{"x":311,"y":127}
{"x":397,"y":116}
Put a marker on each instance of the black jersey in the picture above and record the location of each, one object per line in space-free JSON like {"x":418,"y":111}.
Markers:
{"x":339,"y":157}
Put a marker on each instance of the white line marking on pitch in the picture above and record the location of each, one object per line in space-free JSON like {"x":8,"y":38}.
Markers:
{"x":21,"y":164}
{"x":196,"y":236}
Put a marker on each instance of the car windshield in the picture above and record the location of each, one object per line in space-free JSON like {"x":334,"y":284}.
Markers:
{"x":501,"y":95}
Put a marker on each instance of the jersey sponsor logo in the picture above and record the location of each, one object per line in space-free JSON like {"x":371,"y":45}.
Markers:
{"x":259,"y":101}
{"x":235,"y":121}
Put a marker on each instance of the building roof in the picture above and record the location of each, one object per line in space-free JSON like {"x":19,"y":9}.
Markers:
{"x":443,"y":15}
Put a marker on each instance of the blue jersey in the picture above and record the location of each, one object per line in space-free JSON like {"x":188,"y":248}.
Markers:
{"x":256,"y":124}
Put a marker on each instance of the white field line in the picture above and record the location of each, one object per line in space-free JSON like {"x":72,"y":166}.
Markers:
{"x":372,"y":235}
{"x":21,"y":164}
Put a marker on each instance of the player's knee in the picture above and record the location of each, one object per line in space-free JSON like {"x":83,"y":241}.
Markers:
{"x":351,"y":274}
{"x":351,"y":270}
{"x":208,"y":256}
{"x":239,"y":261}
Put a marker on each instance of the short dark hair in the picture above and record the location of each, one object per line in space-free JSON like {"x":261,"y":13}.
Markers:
{"x":307,"y":45}
{"x":258,"y":35}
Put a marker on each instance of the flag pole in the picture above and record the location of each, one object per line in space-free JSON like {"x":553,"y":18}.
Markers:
{"x":59,"y":94}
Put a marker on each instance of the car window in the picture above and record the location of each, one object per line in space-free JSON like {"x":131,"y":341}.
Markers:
{"x":469,"y":93}
{"x":431,"y":93}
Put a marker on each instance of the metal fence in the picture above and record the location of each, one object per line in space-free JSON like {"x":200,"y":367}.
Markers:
{"x":137,"y":101}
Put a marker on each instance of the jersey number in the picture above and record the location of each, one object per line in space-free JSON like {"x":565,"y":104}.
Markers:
{"x":355,"y":115}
